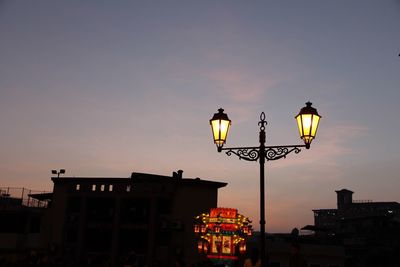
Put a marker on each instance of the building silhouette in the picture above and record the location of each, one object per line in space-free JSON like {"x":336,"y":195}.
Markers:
{"x":349,"y":211}
{"x":21,"y":219}
{"x":368,"y":230}
{"x":147,"y":218}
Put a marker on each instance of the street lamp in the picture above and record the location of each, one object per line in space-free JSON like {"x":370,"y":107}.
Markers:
{"x":220,"y":124}
{"x":307,"y":122}
{"x":61,"y":171}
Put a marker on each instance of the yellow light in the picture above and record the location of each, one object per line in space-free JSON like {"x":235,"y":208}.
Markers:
{"x":242,"y":248}
{"x":220,"y":124}
{"x":200,"y":246}
{"x":307,"y":123}
{"x":245,"y":230}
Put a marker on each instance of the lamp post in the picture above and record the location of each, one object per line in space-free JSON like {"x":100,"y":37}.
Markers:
{"x":307,"y":122}
{"x":61,"y":171}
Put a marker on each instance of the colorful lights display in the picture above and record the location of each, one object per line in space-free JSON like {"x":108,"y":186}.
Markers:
{"x":222,"y":233}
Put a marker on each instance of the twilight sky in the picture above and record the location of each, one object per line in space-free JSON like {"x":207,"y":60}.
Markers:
{"x":105,"y":88}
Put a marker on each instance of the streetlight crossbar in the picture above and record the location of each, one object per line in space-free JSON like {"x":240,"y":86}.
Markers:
{"x":270,"y":152}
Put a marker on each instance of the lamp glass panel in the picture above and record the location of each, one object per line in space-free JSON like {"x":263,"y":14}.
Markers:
{"x":300,"y":125}
{"x":224,"y":129}
{"x":215,"y":129}
{"x":220,"y":131}
{"x":315,"y":123}
{"x":306,"y":123}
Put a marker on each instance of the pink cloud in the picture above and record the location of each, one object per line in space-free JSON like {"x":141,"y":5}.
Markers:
{"x":240,"y":86}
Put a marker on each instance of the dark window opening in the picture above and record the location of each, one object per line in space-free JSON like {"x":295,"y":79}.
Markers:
{"x":133,"y":239}
{"x":135,"y":210}
{"x":100,"y":209}
{"x":164,"y":206}
{"x":98,"y":239}
{"x":34,"y":226}
{"x":74,"y":205}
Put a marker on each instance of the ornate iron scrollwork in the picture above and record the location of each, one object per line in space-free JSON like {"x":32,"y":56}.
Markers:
{"x":271,"y":153}
{"x":249,"y":154}
{"x":274,"y":153}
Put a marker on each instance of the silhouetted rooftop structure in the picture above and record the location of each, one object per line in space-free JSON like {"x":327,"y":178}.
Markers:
{"x":348,"y":209}
{"x":369,"y":230}
{"x":18,"y":197}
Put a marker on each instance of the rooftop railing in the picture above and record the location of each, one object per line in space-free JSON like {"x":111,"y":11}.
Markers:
{"x":17,"y":196}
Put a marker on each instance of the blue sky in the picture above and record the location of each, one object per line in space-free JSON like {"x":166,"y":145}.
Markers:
{"x":104,"y":88}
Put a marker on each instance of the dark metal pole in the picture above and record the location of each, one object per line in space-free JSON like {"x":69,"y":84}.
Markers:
{"x":262,"y":191}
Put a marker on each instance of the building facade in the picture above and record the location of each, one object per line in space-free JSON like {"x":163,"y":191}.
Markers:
{"x":148,"y":216}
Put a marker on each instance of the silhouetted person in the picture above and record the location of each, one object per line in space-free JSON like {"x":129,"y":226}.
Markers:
{"x":296,"y":259}
{"x":254,"y":260}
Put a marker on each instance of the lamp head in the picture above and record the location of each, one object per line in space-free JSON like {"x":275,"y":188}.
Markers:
{"x":220,"y":124}
{"x":307,"y":122}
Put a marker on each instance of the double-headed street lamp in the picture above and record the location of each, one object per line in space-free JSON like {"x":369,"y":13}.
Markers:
{"x":61,"y":171}
{"x":307,"y":122}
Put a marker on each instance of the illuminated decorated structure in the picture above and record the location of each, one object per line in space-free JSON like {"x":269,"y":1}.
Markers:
{"x":222,"y":234}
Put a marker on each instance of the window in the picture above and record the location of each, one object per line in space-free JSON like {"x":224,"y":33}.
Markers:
{"x":102,"y":188}
{"x":78,"y":187}
{"x":74,"y":205}
{"x":34,"y":225}
{"x":128,"y":188}
{"x":93,"y":187}
{"x":100,"y":209}
{"x":135,"y":210}
{"x":110,"y":188}
{"x":98,"y":239}
{"x":164,"y":205}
